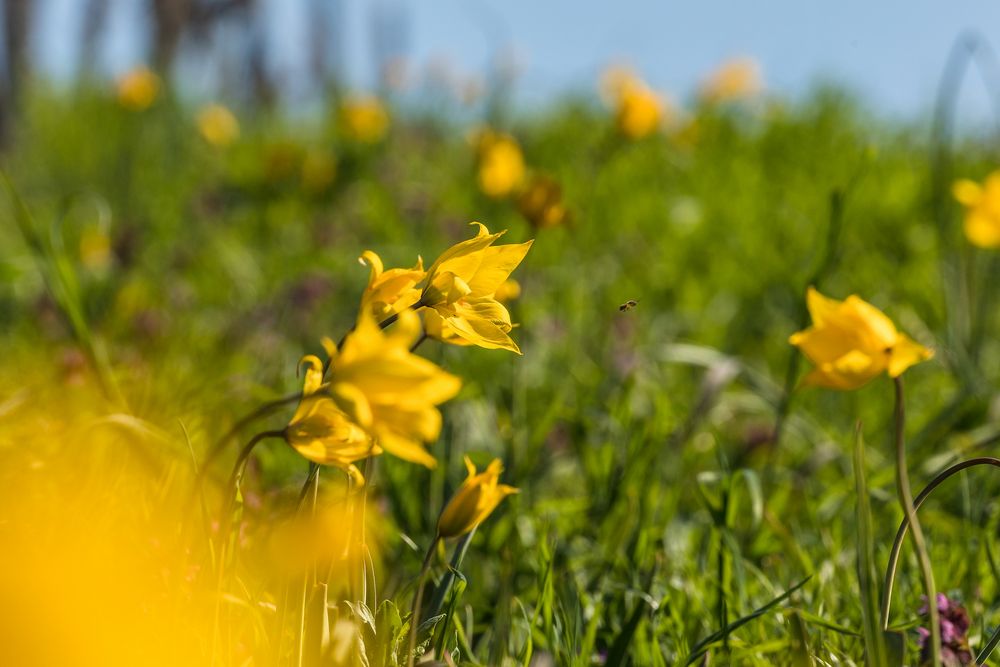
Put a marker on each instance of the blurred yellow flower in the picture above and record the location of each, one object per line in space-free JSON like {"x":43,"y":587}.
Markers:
{"x":319,"y":171}
{"x":364,"y":119}
{"x":388,"y":391}
{"x":138,"y":89}
{"x":460,"y":294}
{"x":217,"y":125}
{"x":392,"y":291}
{"x":850,"y":342}
{"x":735,"y":79}
{"x":509,"y":290}
{"x":501,"y":163}
{"x":95,"y":248}
{"x":475,"y":500}
{"x":982,"y":209}
{"x":322,"y":432}
{"x":639,"y":111}
{"x":541,"y":203}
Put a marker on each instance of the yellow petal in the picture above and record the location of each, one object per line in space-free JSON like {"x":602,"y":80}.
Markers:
{"x":406,"y":449}
{"x":353,"y":402}
{"x":481,"y":240}
{"x":483,"y":333}
{"x":966,"y":192}
{"x":496,"y":266}
{"x":873,"y":326}
{"x":820,"y":307}
{"x":982,"y":230}
{"x":313,"y":374}
{"x":906,"y":353}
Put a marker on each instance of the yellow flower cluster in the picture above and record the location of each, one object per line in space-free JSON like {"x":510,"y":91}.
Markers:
{"x":376,"y":395}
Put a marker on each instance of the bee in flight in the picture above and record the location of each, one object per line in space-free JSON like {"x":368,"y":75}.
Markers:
{"x":628,"y":305}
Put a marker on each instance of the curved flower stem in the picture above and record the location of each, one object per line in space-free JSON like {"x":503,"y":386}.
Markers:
{"x":261,"y":411}
{"x":415,"y":612}
{"x":897,"y":544}
{"x":910,"y":512}
{"x":241,"y":463}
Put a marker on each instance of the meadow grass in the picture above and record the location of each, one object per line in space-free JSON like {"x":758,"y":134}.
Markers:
{"x":659,"y":519}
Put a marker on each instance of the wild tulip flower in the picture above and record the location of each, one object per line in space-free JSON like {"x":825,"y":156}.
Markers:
{"x":541,"y":203}
{"x":364,"y":119}
{"x":138,"y":89}
{"x":501,"y":164}
{"x":475,"y":500}
{"x":982,"y":210}
{"x":460,"y":292}
{"x":322,"y":432}
{"x":391,"y":393}
{"x":735,"y":79}
{"x":389,"y":292}
{"x":639,"y":111}
{"x":851,"y":341}
{"x":218,"y":126}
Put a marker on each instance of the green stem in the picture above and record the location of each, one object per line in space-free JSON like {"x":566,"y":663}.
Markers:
{"x":441,"y":592}
{"x":415,"y":612}
{"x":906,"y":500}
{"x":310,"y":488}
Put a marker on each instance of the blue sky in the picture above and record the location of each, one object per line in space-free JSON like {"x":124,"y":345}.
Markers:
{"x":891,"y":51}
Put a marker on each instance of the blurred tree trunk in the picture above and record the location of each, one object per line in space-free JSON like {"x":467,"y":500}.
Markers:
{"x":172,"y":19}
{"x":169,"y":18}
{"x":17,"y":24}
{"x":95,"y":15}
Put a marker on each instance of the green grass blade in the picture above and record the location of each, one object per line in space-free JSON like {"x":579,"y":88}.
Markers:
{"x":875,"y":649}
{"x":701,"y":647}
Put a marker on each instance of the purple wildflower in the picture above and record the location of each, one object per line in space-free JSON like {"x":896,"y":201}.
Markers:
{"x":954,"y":623}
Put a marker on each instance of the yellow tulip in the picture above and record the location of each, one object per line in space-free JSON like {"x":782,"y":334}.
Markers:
{"x":501,"y":164}
{"x":389,"y":292}
{"x":541,"y":203}
{"x":982,"y":210}
{"x":735,"y":79}
{"x":851,"y":341}
{"x":364,"y":119}
{"x":322,"y":432}
{"x":475,"y":500}
{"x":460,"y":293}
{"x":639,"y":111}
{"x":138,"y":89}
{"x":388,"y":391}
{"x":217,"y":125}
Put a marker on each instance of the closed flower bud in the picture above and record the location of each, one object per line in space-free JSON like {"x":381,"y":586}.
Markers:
{"x":478,"y":496}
